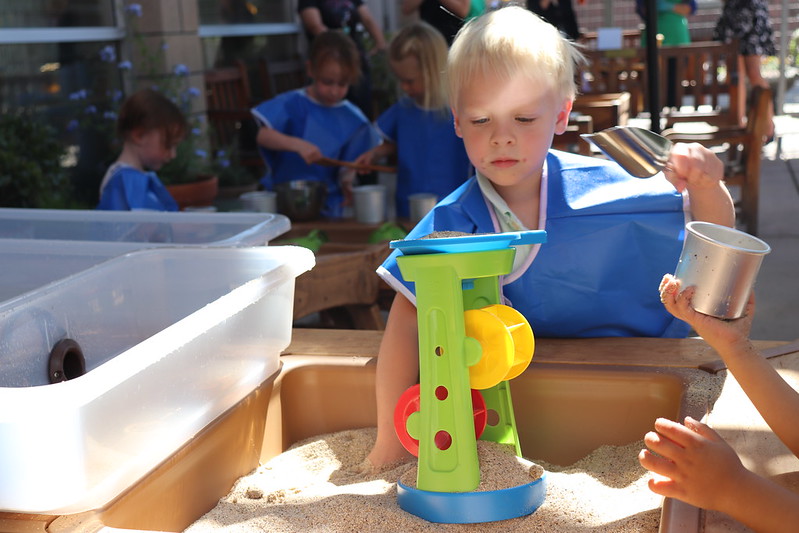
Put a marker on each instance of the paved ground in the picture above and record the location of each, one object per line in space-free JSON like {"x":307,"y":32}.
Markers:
{"x":777,"y":287}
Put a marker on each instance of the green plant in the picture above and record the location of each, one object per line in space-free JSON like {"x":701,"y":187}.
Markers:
{"x":31,"y":173}
{"x":226,"y":165}
{"x":98,"y":115}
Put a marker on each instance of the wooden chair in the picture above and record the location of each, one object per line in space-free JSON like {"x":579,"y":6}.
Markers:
{"x":742,"y":148}
{"x":281,"y":76}
{"x":570,"y":140}
{"x":707,"y":74}
{"x":228,"y":102}
{"x":614,"y":72}
{"x":630,"y":38}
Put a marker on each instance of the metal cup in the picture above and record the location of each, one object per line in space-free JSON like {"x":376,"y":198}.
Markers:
{"x":370,"y":203}
{"x":259,"y":201}
{"x":420,"y":204}
{"x":722,"y":263}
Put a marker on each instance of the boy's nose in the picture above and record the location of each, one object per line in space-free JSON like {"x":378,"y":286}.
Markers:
{"x":502,"y":135}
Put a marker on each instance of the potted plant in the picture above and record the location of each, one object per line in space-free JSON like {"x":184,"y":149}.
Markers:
{"x":234,"y":178}
{"x":31,"y":171}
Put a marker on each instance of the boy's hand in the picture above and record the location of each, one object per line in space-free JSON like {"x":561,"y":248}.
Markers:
{"x":693,"y":166}
{"x":365,"y":158}
{"x":346,"y":182}
{"x":691,"y":463}
{"x":309,"y":152}
{"x":718,"y":333}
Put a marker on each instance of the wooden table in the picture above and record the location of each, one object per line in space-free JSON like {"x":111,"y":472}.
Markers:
{"x":343,"y":284}
{"x":606,"y":110}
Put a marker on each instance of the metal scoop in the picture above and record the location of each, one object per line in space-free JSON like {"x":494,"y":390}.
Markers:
{"x":640,"y":152}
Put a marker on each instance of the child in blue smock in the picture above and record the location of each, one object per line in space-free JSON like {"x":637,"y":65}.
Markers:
{"x":609,"y":236}
{"x":418,"y":129}
{"x":150,"y":126}
{"x":300,"y":127}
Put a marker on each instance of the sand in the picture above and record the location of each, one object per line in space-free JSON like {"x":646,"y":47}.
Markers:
{"x":318,"y":485}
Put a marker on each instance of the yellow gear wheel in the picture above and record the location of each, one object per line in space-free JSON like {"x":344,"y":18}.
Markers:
{"x":497,"y":343}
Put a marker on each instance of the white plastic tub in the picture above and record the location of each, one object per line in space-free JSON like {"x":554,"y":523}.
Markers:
{"x":27,"y":265}
{"x":132,"y":230}
{"x":172,"y":338}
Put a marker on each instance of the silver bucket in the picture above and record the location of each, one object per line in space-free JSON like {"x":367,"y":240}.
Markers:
{"x":722,"y":263}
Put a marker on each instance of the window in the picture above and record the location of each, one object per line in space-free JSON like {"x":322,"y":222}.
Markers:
{"x":60,"y":60}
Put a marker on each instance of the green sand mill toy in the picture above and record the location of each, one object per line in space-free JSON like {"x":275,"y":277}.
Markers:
{"x":470,"y":345}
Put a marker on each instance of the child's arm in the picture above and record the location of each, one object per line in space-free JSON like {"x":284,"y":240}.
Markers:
{"x":459,"y":8}
{"x":697,"y":169}
{"x":695,"y":465}
{"x":397,"y":369}
{"x":371,"y":26}
{"x":385,"y":149}
{"x":774,"y":399}
{"x":272,"y":139}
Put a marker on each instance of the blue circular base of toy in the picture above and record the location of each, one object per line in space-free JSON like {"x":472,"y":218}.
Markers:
{"x":472,"y":507}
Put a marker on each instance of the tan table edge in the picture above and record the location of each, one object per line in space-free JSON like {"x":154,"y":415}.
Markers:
{"x":629,"y":351}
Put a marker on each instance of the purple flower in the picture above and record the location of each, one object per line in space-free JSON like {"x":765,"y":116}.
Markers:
{"x":181,"y":70}
{"x":224,"y":163}
{"x":196,"y":132}
{"x":194,"y":92}
{"x":201,"y":153}
{"x":90,"y":109}
{"x":108,"y":54}
{"x":125,"y":65}
{"x":72,"y":125}
{"x":220,"y":154}
{"x":133,"y":9}
{"x":78,"y":95}
{"x":110,"y":115}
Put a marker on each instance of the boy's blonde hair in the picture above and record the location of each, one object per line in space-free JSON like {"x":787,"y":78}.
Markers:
{"x":427,"y":45}
{"x":508,"y":41}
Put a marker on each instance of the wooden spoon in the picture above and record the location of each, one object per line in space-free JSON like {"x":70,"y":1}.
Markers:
{"x":328,"y":162}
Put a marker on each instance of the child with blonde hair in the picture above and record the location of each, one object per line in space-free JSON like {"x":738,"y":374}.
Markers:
{"x":300,"y":127}
{"x":609,"y":235}
{"x":151,"y":126}
{"x":418,"y":128}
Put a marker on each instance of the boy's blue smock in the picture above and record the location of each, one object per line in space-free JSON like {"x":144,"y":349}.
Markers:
{"x":341,"y":132}
{"x":430,"y":156}
{"x":610,"y":239}
{"x":131,"y":189}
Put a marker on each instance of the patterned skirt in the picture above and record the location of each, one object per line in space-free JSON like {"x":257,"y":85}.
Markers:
{"x":749,"y":22}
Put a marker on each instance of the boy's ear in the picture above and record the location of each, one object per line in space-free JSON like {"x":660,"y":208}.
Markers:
{"x":137,"y":135}
{"x":563,"y":116}
{"x":456,"y":123}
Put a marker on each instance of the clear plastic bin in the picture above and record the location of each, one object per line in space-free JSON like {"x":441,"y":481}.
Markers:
{"x":171,"y":339}
{"x":130,"y":230}
{"x":28,"y":265}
